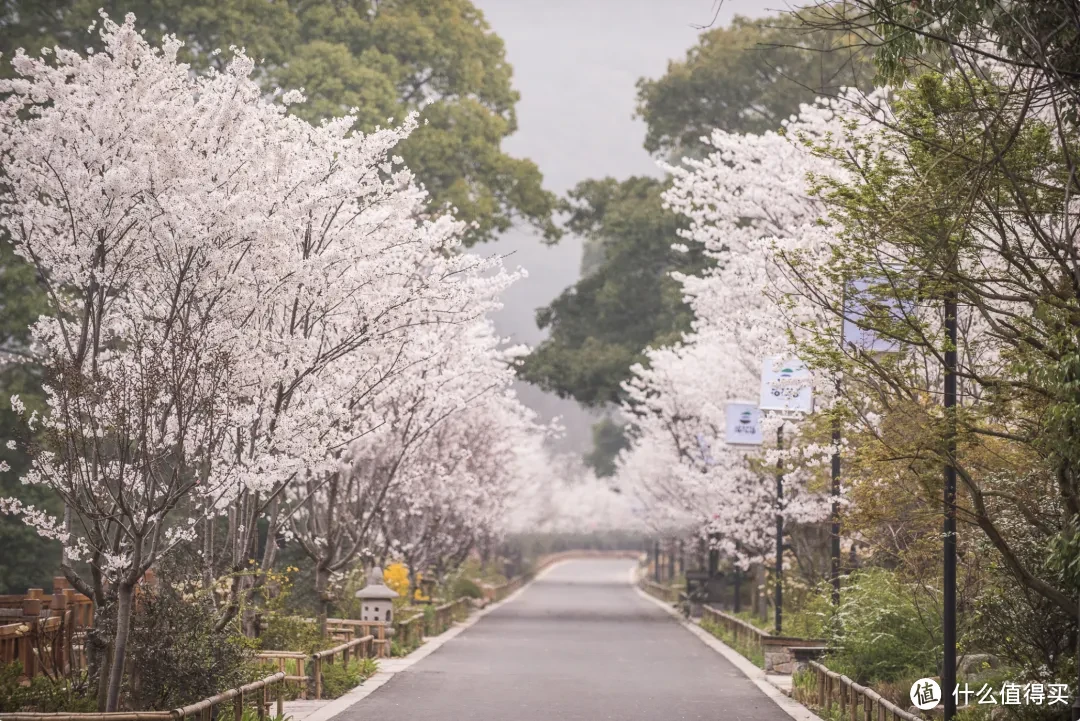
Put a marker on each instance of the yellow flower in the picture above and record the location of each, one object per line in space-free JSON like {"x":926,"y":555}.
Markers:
{"x":417,"y":594}
{"x":396,"y":576}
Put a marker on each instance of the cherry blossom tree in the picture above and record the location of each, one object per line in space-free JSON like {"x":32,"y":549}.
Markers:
{"x":228,"y":283}
{"x":449,"y":369}
{"x":750,"y":204}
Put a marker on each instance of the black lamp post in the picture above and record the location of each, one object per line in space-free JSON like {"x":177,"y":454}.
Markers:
{"x":738,"y":582}
{"x":779,"y":598}
{"x":656,"y":560}
{"x":835,"y":550}
{"x":948,"y":669}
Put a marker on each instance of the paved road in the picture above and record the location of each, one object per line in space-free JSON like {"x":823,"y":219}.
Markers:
{"x":578,"y":645}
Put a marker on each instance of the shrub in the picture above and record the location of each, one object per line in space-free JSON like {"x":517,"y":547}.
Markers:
{"x":290,"y":633}
{"x":176,"y":654}
{"x":43,"y":694}
{"x":339,"y":678}
{"x":466,"y":588}
{"x":881,"y":633}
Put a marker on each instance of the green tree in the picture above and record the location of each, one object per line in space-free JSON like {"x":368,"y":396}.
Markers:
{"x":29,"y":561}
{"x":746,"y":78}
{"x":386,"y":58}
{"x":600,"y":326}
{"x":608,"y":439}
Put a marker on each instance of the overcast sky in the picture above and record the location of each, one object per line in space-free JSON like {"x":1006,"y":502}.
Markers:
{"x":575,"y":64}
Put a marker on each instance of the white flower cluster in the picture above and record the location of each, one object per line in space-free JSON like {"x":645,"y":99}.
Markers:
{"x":242,"y":303}
{"x":748,"y":203}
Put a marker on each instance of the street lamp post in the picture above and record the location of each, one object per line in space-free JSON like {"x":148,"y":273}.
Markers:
{"x":656,"y":560}
{"x":738,"y":581}
{"x":835,"y":550}
{"x":779,"y":597}
{"x":948,"y":670}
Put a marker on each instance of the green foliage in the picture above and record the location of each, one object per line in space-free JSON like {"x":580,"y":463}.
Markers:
{"x":429,"y":620}
{"x":43,"y":694}
{"x":735,"y":78}
{"x":881,"y":632}
{"x":290,"y":633}
{"x":177,"y":655}
{"x":386,"y":58}
{"x":465,"y":588}
{"x":252,"y":714}
{"x":746,"y":78}
{"x":609,"y":438}
{"x":626,"y":301}
{"x":911,"y":37}
{"x":752,"y":652}
{"x":29,"y":561}
{"x":972,"y":161}
{"x":339,"y":678}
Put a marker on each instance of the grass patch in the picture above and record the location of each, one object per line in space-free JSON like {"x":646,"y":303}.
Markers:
{"x":753,"y":653}
{"x":339,"y":678}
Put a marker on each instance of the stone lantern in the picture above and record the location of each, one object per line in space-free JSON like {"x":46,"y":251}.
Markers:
{"x":377,"y":598}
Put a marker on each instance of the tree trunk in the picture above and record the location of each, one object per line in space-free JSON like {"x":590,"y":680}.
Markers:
{"x":100,"y":654}
{"x":124,"y":596}
{"x":411,"y":594}
{"x":762,"y":596}
{"x":322,"y":581}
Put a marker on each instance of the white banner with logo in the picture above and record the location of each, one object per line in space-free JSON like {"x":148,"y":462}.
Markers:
{"x":863,"y":307}
{"x":785,"y":386}
{"x":743,"y":424}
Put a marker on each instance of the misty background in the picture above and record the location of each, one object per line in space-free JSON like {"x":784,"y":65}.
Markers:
{"x":576,"y":64}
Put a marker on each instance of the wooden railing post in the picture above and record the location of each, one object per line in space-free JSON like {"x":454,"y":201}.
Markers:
{"x":318,"y":676}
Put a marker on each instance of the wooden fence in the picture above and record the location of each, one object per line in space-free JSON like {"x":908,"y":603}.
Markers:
{"x":45,"y":634}
{"x":349,"y":628}
{"x":357,"y":648}
{"x":409,"y":632}
{"x":778,"y":654}
{"x":744,"y":633}
{"x":856,"y":702}
{"x":667,"y":594}
{"x":445,"y":616}
{"x":293,"y":664}
{"x":255,"y":694}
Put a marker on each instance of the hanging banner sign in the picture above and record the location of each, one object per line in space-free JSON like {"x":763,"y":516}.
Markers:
{"x":703,"y":447}
{"x":743,"y":424}
{"x":861,"y":308}
{"x":785,"y":386}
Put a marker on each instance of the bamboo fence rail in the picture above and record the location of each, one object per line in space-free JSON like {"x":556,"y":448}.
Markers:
{"x":856,"y":702}
{"x":743,"y":632}
{"x":257,"y":692}
{"x":346,"y":651}
{"x":291,"y":663}
{"x":667,"y":594}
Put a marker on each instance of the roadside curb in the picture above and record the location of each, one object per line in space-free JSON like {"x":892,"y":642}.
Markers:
{"x":770,"y":688}
{"x":394,"y":666}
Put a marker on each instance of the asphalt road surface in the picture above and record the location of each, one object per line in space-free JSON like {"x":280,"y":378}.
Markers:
{"x":578,"y":645}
